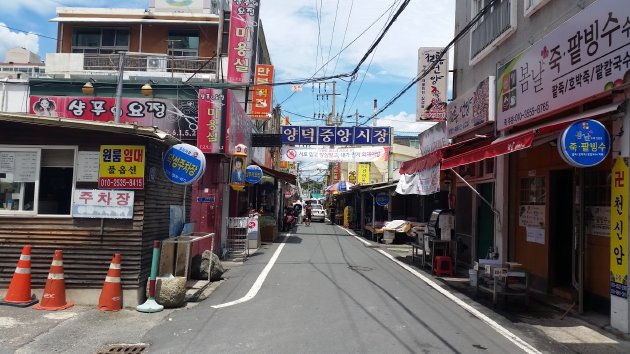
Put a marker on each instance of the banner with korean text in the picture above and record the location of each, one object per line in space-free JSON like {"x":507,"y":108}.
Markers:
{"x":242,"y":42}
{"x":102,"y":204}
{"x":431,"y":99}
{"x":210,"y":128}
{"x":581,"y":59}
{"x":473,"y":109}
{"x":619,"y":229}
{"x":121,"y":167}
{"x":176,"y":117}
{"x":360,"y":154}
{"x":262,"y":92}
{"x":305,"y":135}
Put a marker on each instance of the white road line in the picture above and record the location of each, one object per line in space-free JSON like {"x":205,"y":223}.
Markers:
{"x":259,"y":282}
{"x":490,"y":322}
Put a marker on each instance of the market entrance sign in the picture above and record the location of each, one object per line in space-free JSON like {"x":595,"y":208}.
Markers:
{"x":582,"y":58}
{"x":303,"y":135}
{"x":585,"y":143}
{"x":121,"y":167}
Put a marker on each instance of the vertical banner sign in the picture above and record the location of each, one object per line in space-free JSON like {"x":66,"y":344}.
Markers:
{"x":619,"y":230}
{"x":364,"y":173}
{"x":431,"y":98}
{"x":121,"y":167}
{"x":238,"y":125}
{"x":209,"y":129}
{"x":352,"y":172}
{"x":261,"y":105}
{"x":243,"y":24}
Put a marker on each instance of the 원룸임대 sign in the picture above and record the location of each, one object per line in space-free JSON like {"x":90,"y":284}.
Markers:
{"x":183,"y":164}
{"x":121,"y":167}
{"x":585,"y":143}
{"x":305,"y":135}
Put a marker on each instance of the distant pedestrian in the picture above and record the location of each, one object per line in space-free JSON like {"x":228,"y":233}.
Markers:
{"x":308,"y":210}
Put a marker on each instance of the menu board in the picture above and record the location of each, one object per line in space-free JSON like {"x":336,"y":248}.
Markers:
{"x":25,"y":169}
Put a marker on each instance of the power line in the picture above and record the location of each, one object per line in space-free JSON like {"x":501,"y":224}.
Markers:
{"x":332,"y":36}
{"x":27,"y":32}
{"x":344,"y":34}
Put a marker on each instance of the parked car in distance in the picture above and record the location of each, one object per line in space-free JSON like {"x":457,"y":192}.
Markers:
{"x":318,"y":213}
{"x":315,"y":201}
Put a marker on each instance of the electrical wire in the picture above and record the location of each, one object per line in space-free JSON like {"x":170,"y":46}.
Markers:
{"x":27,"y":32}
{"x":332,"y":36}
{"x":344,"y":34}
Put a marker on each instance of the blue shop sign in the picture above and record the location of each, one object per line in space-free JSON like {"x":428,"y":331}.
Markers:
{"x":585,"y":143}
{"x":183,"y":164}
{"x":382,"y":199}
{"x":253,"y":174}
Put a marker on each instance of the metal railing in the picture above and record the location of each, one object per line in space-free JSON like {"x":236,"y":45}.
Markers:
{"x":151,"y":63}
{"x":493,"y":24}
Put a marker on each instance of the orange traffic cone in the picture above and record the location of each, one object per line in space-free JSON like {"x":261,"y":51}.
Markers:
{"x":54,"y":297}
{"x":19,"y":293}
{"x":110,"y":299}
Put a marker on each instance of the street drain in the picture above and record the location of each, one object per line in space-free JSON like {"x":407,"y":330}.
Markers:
{"x":125,"y":348}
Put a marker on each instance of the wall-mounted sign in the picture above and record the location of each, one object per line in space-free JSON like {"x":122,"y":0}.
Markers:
{"x":382,"y":199}
{"x":102,"y":204}
{"x":364,"y":173}
{"x":253,"y":174}
{"x":619,"y":229}
{"x":211,"y":199}
{"x":183,"y":164}
{"x":472,"y":109}
{"x":87,"y":166}
{"x":431,"y":101}
{"x":239,"y":125}
{"x":22,"y":165}
{"x":581,"y":58}
{"x":302,"y":135}
{"x":210,"y":128}
{"x":433,"y":138}
{"x":176,"y":117}
{"x":243,"y":40}
{"x":121,"y":167}
{"x":359,"y":154}
{"x":262,"y":92}
{"x":584,"y":143}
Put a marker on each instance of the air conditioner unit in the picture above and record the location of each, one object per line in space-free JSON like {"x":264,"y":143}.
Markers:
{"x":156,"y":63}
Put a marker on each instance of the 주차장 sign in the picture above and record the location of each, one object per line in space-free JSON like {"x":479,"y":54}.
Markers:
{"x":102,"y":204}
{"x":121,"y":167}
{"x":303,"y":135}
{"x":580,"y":59}
{"x":183,"y":164}
{"x":584,"y":143}
{"x":619,"y":229}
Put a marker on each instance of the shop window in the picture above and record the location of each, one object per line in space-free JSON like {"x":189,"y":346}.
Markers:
{"x":225,"y":36}
{"x":183,"y":43}
{"x":597,"y":187}
{"x":532,"y":191}
{"x":36,"y":180}
{"x":100,"y":40}
{"x":532,"y":6}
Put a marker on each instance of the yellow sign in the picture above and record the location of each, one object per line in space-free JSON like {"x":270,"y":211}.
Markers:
{"x":364,"y":173}
{"x":347,"y":216}
{"x":121,"y":167}
{"x":619,"y":229}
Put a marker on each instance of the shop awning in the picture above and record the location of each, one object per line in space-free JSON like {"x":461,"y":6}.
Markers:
{"x":287,"y":177}
{"x":520,"y":141}
{"x":431,"y":159}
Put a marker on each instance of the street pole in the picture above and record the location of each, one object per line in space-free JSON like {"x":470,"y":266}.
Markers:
{"x":119,"y":87}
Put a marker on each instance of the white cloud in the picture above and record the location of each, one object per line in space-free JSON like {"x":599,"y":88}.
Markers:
{"x":47,"y":7}
{"x":291,"y":29}
{"x":10,"y":40}
{"x":404,"y":122}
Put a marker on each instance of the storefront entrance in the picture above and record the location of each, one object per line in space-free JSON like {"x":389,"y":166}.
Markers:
{"x":561,"y":231}
{"x":485,"y":220}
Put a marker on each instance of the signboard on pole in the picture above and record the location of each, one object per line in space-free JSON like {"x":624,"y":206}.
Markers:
{"x":581,"y":59}
{"x":184,"y":164}
{"x":431,"y":98}
{"x":121,"y":167}
{"x":585,"y":143}
{"x":303,"y":135}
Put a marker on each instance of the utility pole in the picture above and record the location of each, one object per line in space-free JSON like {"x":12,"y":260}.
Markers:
{"x":333,"y":120}
{"x":356,"y":117}
{"x":119,"y":86}
{"x":172,"y":54}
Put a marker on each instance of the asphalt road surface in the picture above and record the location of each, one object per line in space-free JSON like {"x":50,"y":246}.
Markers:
{"x":321,"y":290}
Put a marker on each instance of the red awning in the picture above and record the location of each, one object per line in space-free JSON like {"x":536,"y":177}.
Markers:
{"x":524,"y":140}
{"x":421,"y":163}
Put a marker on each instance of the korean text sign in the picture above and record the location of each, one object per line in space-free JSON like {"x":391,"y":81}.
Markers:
{"x":582,"y":58}
{"x":432,"y":88}
{"x":239,"y":125}
{"x":364,"y":173}
{"x":243,"y":25}
{"x":210,"y":129}
{"x":102,"y":204}
{"x":176,"y":117}
{"x":585,"y":143}
{"x":619,"y":229}
{"x":305,"y":135}
{"x":472,"y":109}
{"x":357,"y":154}
{"x":262,"y":92}
{"x":183,"y":164}
{"x":121,"y":166}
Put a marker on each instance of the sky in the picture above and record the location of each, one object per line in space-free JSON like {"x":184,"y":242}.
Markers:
{"x":306,"y":38}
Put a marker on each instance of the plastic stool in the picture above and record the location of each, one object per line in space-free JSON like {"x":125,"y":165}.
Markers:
{"x":443,"y":266}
